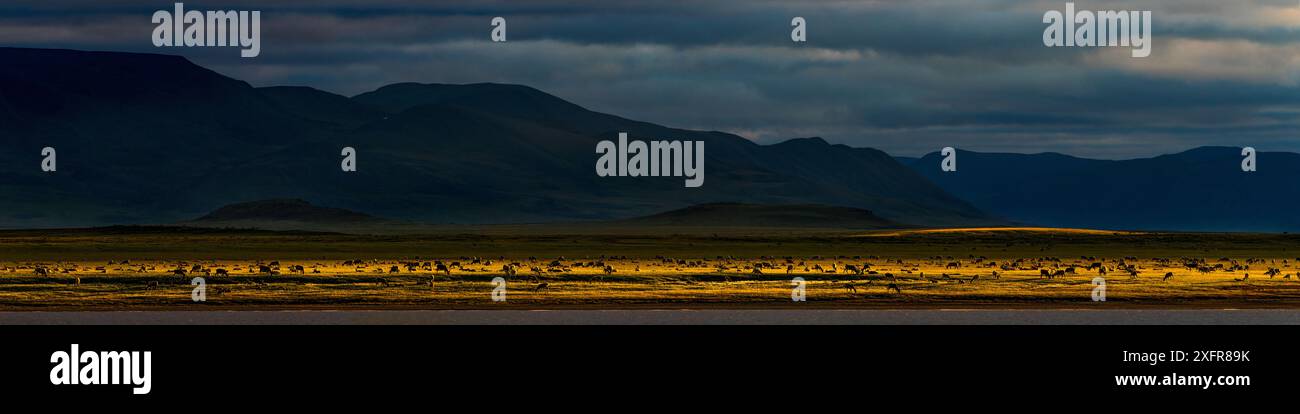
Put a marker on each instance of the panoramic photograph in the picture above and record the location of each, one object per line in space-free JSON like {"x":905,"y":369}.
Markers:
{"x":644,"y":162}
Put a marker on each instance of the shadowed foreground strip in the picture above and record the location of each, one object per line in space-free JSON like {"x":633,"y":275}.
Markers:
{"x":669,"y":317}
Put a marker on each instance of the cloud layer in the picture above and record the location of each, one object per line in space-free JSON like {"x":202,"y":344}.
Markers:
{"x":907,"y":77}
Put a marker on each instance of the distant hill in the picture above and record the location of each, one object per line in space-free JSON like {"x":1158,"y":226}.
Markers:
{"x":906,"y":160}
{"x":321,"y":106}
{"x":165,"y":230}
{"x":284,"y":210}
{"x":1202,"y":189}
{"x":295,"y":215}
{"x":145,"y":138}
{"x":753,"y":215}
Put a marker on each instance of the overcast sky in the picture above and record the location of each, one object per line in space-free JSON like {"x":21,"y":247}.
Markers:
{"x":907,"y":77}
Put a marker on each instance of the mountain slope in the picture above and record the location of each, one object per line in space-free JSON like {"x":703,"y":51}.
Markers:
{"x":283,"y":210}
{"x":152,"y":138}
{"x":139,"y":136}
{"x":321,"y":106}
{"x":1200,"y":189}
{"x":736,"y":169}
{"x":754,"y":215}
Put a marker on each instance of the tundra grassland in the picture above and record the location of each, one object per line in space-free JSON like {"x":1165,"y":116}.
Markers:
{"x":551,"y":267}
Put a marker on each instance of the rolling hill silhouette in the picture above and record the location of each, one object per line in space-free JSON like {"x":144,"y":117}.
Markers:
{"x":755,"y":215}
{"x":146,"y":138}
{"x":1201,"y":189}
{"x":283,"y":210}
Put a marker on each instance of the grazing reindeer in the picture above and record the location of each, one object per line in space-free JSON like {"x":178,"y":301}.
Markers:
{"x":1168,"y":275}
{"x":894,"y":287}
{"x":953,"y":265}
{"x":850,"y":287}
{"x":541,"y":286}
{"x":223,"y":272}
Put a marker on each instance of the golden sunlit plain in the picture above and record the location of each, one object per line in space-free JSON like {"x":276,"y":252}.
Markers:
{"x":987,"y":267}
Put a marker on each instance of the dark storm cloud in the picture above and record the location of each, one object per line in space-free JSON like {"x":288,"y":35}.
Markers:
{"x":904,"y":76}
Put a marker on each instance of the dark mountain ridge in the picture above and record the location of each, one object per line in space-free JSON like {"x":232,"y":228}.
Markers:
{"x":283,"y":210}
{"x":1202,"y":189}
{"x":148,"y":138}
{"x":754,"y":215}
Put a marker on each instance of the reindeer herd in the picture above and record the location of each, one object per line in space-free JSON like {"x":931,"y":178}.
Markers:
{"x":851,"y":274}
